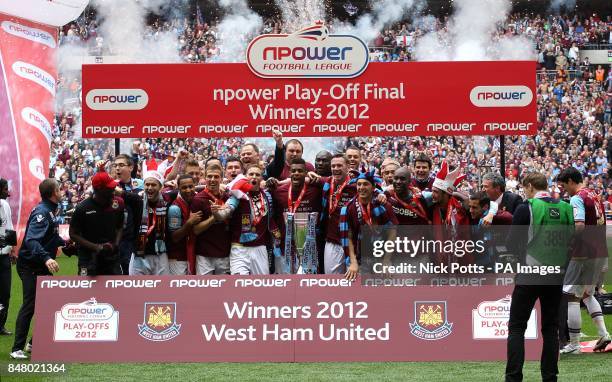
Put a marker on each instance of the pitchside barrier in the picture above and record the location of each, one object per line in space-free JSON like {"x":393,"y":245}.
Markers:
{"x":269,"y":318}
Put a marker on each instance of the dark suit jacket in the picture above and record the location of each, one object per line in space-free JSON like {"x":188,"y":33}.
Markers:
{"x":510,"y":202}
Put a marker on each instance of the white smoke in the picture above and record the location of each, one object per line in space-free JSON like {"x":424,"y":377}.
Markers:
{"x":297,"y":14}
{"x":471,"y":35}
{"x":555,"y":5}
{"x":236,"y":29}
{"x":383,"y":13}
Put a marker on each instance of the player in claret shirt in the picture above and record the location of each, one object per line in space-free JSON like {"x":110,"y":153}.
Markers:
{"x":252,"y":228}
{"x":213,"y":240}
{"x":297,"y":207}
{"x":337,"y":192}
{"x":408,"y":204}
{"x":364,"y":212}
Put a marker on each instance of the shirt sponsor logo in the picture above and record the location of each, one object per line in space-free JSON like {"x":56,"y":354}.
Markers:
{"x":501,"y":96}
{"x":35,"y":74}
{"x":309,"y":52}
{"x":32,"y":34}
{"x":159,"y":323}
{"x":490,"y":320}
{"x":430,"y":321}
{"x":117,"y":99}
{"x":87,"y":321}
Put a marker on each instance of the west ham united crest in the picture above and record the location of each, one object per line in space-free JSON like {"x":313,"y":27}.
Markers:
{"x":430,"y":320}
{"x":159,"y":321}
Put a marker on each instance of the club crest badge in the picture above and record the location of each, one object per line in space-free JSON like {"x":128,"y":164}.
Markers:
{"x":159,"y":323}
{"x":430,"y":320}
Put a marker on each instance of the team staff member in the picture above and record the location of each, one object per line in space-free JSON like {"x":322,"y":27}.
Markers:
{"x":529,"y":238}
{"x":279,"y":168}
{"x":96,"y":227}
{"x":181,"y":256}
{"x":495,"y":187}
{"x":37,"y":257}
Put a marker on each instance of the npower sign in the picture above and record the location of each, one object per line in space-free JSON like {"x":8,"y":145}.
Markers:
{"x":309,"y":52}
{"x":117,"y":99}
{"x":501,"y":96}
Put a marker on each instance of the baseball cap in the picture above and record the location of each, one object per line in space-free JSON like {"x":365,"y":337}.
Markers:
{"x":103,"y":180}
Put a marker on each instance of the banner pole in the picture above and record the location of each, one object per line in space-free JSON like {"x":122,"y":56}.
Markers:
{"x":117,"y":147}
{"x":502,"y":149}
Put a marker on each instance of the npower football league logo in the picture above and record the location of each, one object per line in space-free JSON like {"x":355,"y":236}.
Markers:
{"x":309,"y":52}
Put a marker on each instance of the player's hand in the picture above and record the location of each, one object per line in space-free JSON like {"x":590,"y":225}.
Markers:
{"x":487,"y":220}
{"x":13,"y":256}
{"x":194,"y":218}
{"x":278,"y":138}
{"x":314,"y":177}
{"x":170,"y":183}
{"x":271,"y":183}
{"x":101,"y":165}
{"x":351,"y":272}
{"x":52,"y":266}
{"x":382,"y":198}
{"x":118,"y":191}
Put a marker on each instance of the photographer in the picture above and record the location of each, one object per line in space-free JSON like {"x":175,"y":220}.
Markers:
{"x":96,"y":227}
{"x":8,"y":239}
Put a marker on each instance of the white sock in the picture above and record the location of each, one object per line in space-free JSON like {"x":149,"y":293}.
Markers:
{"x":594,"y":309}
{"x":574,"y":321}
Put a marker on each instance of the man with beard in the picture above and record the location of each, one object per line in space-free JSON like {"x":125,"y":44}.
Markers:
{"x":364,"y":212}
{"x":151,"y":257}
{"x":181,"y":221}
{"x":124,"y":167}
{"x":251,"y":226}
{"x":323,"y":163}
{"x":213,"y":240}
{"x":293,"y":149}
{"x":408,"y":204}
{"x":96,"y":227}
{"x":422,"y":168}
{"x":297,"y":207}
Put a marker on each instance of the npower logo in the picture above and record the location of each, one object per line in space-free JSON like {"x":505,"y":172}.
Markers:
{"x":28,"y":33}
{"x":501,"y":96}
{"x":310,"y":52}
{"x":35,"y":74}
{"x":117,"y":99}
{"x":34,"y":118}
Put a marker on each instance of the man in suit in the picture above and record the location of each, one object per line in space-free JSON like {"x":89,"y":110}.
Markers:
{"x":495,"y":187}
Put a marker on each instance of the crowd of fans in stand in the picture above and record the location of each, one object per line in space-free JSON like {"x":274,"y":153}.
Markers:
{"x":574,"y":108}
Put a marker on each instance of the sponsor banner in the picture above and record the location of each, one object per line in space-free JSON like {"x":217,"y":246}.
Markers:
{"x":387,"y":99}
{"x":27,"y":90}
{"x":87,"y":321}
{"x":490,"y":320}
{"x":253,"y":319}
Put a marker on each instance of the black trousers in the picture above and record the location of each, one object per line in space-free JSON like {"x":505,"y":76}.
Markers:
{"x":5,"y":287}
{"x":523,"y":300}
{"x":27,"y":274}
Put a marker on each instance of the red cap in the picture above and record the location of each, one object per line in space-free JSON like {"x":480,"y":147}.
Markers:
{"x":103,"y":180}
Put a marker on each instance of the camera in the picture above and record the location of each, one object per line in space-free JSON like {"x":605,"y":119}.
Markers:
{"x":9,"y":238}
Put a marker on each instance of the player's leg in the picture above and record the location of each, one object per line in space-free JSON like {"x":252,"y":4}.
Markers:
{"x":160,"y":265}
{"x":573,"y":289}
{"x":26,"y":312}
{"x":523,"y":300}
{"x":594,"y":308}
{"x":550,"y":299}
{"x":259,"y":260}
{"x":221,"y":265}
{"x":239,"y":260}
{"x":204,"y":265}
{"x":177,"y":268}
{"x":334,"y":259}
{"x":139,"y":266}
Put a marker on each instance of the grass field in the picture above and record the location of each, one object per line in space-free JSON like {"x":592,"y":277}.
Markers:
{"x":591,"y":367}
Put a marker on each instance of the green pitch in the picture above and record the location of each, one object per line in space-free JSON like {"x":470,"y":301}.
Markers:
{"x":592,"y":367}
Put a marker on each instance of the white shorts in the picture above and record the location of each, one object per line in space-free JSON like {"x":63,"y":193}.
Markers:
{"x":154,"y":265}
{"x":212,"y":265}
{"x":249,"y":260}
{"x":582,"y":276}
{"x":177,"y":268}
{"x":334,"y":259}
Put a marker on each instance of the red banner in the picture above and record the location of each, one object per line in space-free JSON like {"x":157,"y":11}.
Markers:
{"x":388,"y":99}
{"x":271,"y":318}
{"x":27,"y":90}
